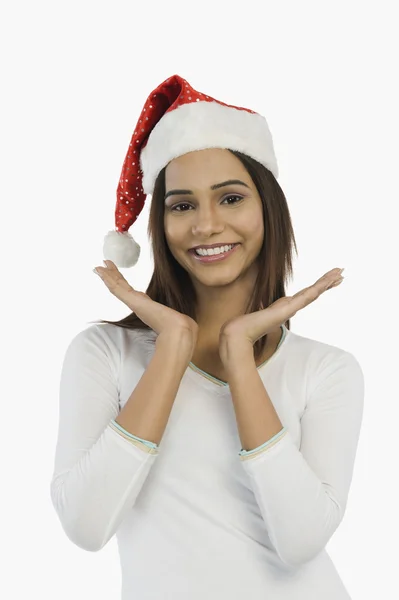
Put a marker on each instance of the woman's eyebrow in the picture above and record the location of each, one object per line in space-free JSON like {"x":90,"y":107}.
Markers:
{"x":213,"y":187}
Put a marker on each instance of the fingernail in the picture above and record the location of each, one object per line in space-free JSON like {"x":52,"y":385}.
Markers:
{"x":96,"y":272}
{"x":342,"y":270}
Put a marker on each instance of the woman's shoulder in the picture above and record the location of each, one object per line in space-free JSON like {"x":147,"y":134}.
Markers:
{"x":321,"y":362}
{"x":316,"y":352}
{"x":113,"y":339}
{"x":118,"y":336}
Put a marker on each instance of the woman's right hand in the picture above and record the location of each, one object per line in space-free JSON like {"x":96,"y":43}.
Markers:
{"x":154,"y":314}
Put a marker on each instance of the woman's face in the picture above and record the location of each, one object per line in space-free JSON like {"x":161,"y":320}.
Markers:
{"x":201,"y":215}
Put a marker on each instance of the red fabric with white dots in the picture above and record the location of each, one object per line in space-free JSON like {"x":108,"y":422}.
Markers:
{"x":170,"y":94}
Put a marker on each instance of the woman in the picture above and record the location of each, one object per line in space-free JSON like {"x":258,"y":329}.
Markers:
{"x":153,"y":408}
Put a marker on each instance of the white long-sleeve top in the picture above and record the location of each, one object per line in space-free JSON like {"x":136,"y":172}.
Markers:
{"x":194,"y":518}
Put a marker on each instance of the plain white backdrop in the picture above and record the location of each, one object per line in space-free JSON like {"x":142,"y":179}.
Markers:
{"x":75,"y":78}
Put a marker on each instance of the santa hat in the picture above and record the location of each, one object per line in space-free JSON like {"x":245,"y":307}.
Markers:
{"x":177,"y":119}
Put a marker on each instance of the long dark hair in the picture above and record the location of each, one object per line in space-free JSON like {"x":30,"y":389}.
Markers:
{"x":171,"y":285}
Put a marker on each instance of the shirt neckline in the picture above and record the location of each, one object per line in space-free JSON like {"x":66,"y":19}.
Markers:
{"x":216,"y":384}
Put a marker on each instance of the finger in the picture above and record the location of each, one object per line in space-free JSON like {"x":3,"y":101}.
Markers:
{"x":291,"y":304}
{"x":110,"y":264}
{"x":114,"y":280}
{"x":304,"y":297}
{"x":335,"y":283}
{"x":329,"y":277}
{"x":311,"y":293}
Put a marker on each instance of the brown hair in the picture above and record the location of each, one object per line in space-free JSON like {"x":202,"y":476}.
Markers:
{"x":171,"y":285}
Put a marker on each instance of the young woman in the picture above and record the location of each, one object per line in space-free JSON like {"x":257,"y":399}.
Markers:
{"x":215,"y":443}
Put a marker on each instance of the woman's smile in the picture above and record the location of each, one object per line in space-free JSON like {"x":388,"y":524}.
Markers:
{"x":211,"y":258}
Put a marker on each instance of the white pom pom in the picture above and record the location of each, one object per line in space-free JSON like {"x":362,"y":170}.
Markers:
{"x":121,"y":248}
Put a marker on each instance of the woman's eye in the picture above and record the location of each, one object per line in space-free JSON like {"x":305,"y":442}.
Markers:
{"x":174,"y":208}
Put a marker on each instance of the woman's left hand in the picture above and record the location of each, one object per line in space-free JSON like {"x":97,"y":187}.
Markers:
{"x":251,"y":327}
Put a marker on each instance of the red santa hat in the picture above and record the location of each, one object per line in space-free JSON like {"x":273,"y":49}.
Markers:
{"x":175,"y":120}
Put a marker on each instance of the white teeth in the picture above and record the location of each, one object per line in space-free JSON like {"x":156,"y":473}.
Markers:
{"x":211,"y":251}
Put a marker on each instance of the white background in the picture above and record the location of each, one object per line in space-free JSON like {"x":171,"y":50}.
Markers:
{"x":75,"y":77}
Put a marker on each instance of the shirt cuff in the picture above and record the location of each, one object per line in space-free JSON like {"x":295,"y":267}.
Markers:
{"x":145,"y":445}
{"x":248,"y":454}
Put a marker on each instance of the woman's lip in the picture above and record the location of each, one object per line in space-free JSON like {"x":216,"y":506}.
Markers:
{"x":214,"y":257}
{"x":194,"y":249}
